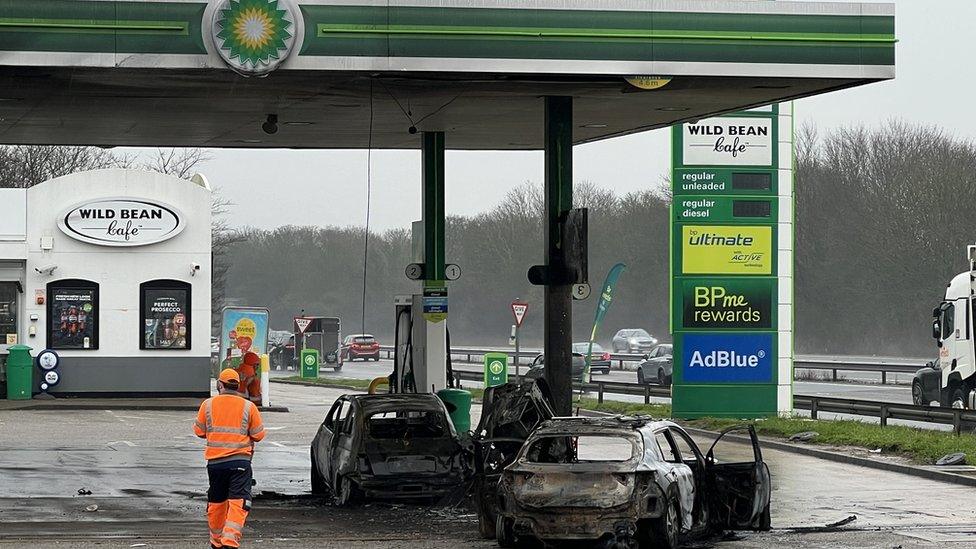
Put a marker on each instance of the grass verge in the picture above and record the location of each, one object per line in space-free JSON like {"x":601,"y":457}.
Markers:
{"x":922,"y":446}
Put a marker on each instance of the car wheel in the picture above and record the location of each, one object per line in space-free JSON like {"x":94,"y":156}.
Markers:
{"x":664,"y":531}
{"x":338,"y":367}
{"x":640,"y":376}
{"x":504,"y":532}
{"x":318,"y":483}
{"x":917,"y":397}
{"x":347,"y":493}
{"x":486,"y":525}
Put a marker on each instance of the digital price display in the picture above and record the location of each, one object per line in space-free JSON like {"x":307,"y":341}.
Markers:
{"x":752,"y":181}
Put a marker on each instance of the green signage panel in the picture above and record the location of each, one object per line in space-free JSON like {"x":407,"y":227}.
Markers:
{"x":725,"y":263}
{"x":727,"y":303}
{"x":700,"y":249}
{"x":496,"y":369}
{"x":725,"y":181}
{"x":725,"y":209}
{"x":310,"y":363}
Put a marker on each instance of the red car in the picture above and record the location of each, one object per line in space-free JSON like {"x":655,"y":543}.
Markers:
{"x":362,"y":346}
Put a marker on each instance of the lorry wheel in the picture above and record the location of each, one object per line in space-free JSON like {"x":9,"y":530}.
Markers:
{"x":504,"y":532}
{"x":917,"y":397}
{"x":958,"y":398}
{"x":318,"y":483}
{"x":664,"y":531}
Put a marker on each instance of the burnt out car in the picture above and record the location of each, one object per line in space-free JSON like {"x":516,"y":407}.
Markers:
{"x":509,"y":414}
{"x":627,"y":481}
{"x":401,"y":446}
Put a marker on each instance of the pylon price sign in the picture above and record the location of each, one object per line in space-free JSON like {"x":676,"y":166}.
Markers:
{"x":518,"y":311}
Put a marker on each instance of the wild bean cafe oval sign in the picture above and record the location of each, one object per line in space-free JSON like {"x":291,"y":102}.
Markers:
{"x":121,"y":222}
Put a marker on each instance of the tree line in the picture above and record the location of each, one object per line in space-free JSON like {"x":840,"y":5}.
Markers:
{"x":883,"y":217}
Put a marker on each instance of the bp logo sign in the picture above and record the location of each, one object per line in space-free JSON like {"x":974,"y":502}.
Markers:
{"x":254,"y":36}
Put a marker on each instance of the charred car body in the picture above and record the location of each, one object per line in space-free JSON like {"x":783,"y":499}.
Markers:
{"x":635,"y":482}
{"x":392,"y":446}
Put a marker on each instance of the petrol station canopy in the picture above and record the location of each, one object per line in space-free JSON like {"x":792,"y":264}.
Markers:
{"x":352,"y":74}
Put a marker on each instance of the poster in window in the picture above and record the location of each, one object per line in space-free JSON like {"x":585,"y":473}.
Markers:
{"x":73,"y":318}
{"x":165,"y":318}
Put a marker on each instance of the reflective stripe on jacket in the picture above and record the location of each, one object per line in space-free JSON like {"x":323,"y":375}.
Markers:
{"x":230,"y":424}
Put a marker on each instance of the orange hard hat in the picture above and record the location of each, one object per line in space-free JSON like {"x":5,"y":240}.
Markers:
{"x":251,"y":359}
{"x":229,"y":376}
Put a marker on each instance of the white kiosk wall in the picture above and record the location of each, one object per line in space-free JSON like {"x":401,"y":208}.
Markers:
{"x":80,"y":227}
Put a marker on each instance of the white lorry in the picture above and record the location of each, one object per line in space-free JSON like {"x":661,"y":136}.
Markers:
{"x":951,"y":380}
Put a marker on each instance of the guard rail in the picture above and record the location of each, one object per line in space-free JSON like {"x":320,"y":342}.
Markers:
{"x":834,"y":364}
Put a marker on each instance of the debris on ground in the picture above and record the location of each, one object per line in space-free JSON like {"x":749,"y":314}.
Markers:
{"x":842,"y":522}
{"x":91,"y":508}
{"x":958,"y":458}
{"x":805,"y":436}
{"x":84,"y":492}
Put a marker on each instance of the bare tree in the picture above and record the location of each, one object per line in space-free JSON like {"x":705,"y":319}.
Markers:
{"x":176,"y":162}
{"x":23,"y":166}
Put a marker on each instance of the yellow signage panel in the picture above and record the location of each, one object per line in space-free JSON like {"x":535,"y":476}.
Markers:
{"x":720,"y":249}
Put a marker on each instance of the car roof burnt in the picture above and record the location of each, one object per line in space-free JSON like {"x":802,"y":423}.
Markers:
{"x":393,"y":403}
{"x":590,"y":425}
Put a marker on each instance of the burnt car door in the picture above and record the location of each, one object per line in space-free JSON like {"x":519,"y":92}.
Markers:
{"x":738,"y":490}
{"x":343,"y":452}
{"x":322,"y":443}
{"x":510,"y":412}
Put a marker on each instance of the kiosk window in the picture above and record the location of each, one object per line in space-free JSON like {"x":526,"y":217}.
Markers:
{"x":72,"y":314}
{"x":165,"y":315}
{"x":8,"y":313}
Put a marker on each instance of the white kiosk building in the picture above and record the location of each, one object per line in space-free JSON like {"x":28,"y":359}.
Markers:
{"x":111,"y":269}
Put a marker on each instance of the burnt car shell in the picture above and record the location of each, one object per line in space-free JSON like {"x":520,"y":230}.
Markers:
{"x":388,"y":447}
{"x":510,"y":413}
{"x":647,"y":498}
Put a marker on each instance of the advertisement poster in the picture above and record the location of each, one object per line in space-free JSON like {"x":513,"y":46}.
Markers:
{"x":242,"y":329}
{"x":727,"y":358}
{"x":72,"y":318}
{"x":165,"y":322}
{"x":726,"y":249}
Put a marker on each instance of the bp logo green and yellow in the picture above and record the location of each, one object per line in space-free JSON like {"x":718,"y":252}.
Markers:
{"x":254,"y":36}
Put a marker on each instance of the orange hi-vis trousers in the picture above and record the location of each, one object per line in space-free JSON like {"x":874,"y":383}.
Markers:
{"x":228,"y":501}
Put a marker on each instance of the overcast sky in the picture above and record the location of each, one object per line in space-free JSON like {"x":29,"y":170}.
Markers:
{"x":933,"y":86}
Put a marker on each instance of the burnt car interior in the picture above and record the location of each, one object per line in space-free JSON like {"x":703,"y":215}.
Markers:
{"x":580,"y":449}
{"x":405,"y":425}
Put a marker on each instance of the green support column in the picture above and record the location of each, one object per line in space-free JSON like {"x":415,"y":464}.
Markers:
{"x":558,"y":297}
{"x":433,"y":204}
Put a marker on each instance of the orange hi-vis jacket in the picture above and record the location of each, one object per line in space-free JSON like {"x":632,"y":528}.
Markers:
{"x":231,"y":425}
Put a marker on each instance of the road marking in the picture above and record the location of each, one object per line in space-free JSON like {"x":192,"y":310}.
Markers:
{"x":278,"y":444}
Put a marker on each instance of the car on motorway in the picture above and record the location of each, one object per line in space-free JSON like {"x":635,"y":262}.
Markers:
{"x":627,"y":482}
{"x":658,"y":366}
{"x":927,"y":386}
{"x":599,"y":359}
{"x":391,"y":446}
{"x":633,"y":340}
{"x":538,"y":368}
{"x":363,"y":346}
